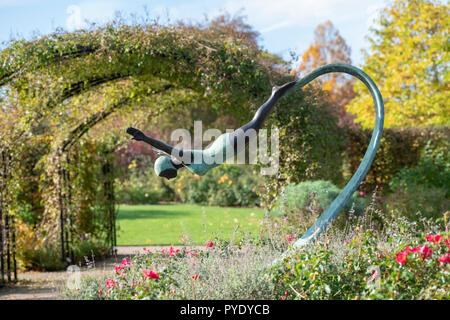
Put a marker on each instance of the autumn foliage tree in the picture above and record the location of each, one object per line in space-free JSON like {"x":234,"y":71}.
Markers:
{"x":329,"y":47}
{"x":408,"y":59}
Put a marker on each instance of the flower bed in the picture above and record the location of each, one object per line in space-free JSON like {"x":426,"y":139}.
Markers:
{"x":397,"y":262}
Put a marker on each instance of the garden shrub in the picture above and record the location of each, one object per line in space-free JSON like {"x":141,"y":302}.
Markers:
{"x":227,"y":185}
{"x":398,"y":262}
{"x":399,"y":148}
{"x":431,"y":172}
{"x":47,"y":257}
{"x":423,"y":190}
{"x":419,"y":201}
{"x":302,"y":203}
{"x":35,"y":252}
{"x":140,"y":185}
{"x":216,"y":273}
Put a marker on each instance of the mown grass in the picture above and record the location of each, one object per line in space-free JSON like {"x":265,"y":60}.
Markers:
{"x":164,"y":224}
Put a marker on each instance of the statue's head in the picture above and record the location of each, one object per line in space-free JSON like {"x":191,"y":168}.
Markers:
{"x":164,"y":167}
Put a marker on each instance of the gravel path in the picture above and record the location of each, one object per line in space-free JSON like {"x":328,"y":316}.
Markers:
{"x":48,"y":285}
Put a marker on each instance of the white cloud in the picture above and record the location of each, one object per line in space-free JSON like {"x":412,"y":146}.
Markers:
{"x":99,"y":11}
{"x":74,"y":20}
{"x":269,"y":15}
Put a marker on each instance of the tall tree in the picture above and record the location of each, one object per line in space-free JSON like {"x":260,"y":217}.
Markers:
{"x":329,"y":47}
{"x":409,"y":60}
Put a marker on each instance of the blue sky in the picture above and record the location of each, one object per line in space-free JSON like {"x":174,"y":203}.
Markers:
{"x":284,"y":25}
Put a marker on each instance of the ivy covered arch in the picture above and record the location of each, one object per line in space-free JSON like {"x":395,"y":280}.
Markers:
{"x":55,"y":89}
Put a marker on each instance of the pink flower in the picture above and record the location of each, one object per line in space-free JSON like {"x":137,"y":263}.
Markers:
{"x":171,"y":251}
{"x":445,"y":258}
{"x":126,"y":262}
{"x":100,"y":291}
{"x":289,"y":237}
{"x":401,"y":257}
{"x":425,"y":251}
{"x":117,"y":268}
{"x":434,"y":238}
{"x":151,"y":274}
{"x":110,"y":283}
{"x":362,"y":193}
{"x":209,"y":244}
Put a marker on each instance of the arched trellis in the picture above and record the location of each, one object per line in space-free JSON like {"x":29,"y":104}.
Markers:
{"x":114,"y":68}
{"x":62,"y":156}
{"x":8,"y":263}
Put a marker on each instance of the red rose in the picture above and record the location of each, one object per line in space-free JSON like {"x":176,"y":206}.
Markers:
{"x":401,"y":257}
{"x":151,"y":274}
{"x":445,"y":258}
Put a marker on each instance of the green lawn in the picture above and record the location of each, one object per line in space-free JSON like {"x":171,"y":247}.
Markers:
{"x":163,"y":224}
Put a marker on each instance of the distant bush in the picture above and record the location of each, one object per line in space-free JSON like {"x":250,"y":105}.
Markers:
{"x":423,"y":190}
{"x":419,"y":202}
{"x":227,"y":185}
{"x":305,"y":201}
{"x":48,"y":257}
{"x":399,"y":148}
{"x":432,"y":171}
{"x":35,"y":252}
{"x":142,"y":186}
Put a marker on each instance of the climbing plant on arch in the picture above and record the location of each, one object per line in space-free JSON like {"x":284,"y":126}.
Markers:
{"x":65,"y":96}
{"x":55,"y":89}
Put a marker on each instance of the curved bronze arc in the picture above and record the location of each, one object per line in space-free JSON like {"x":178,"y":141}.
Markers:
{"x":338,"y":204}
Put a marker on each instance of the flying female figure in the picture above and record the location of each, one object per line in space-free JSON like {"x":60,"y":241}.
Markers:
{"x":167,"y":167}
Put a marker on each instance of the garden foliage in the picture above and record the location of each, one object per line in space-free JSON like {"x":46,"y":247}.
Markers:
{"x":398,"y":261}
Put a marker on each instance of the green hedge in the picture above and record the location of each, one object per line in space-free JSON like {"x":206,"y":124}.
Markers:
{"x":399,"y":148}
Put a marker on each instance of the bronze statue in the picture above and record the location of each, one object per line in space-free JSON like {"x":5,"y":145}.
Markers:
{"x":167,"y":167}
